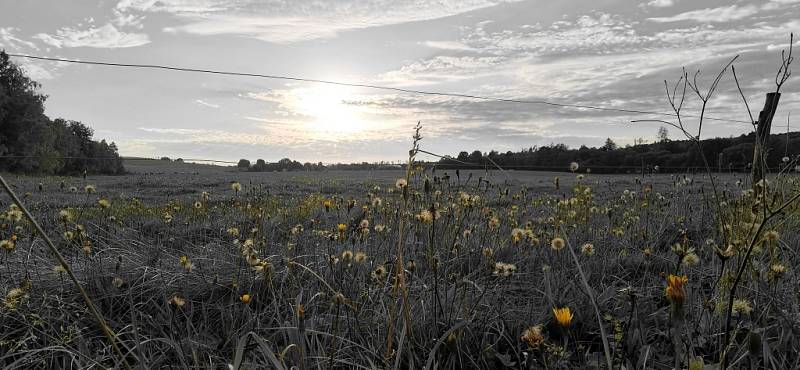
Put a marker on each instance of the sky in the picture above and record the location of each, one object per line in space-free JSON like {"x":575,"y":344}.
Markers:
{"x":609,"y":53}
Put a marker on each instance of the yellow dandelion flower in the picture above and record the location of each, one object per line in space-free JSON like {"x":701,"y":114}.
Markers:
{"x":563,"y":316}
{"x":245,"y":298}
{"x":674,"y":291}
{"x":588,"y":249}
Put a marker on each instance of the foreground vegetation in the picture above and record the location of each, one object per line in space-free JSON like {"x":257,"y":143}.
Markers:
{"x":252,"y":276}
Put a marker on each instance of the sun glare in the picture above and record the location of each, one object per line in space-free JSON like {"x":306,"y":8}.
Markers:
{"x":327,"y":109}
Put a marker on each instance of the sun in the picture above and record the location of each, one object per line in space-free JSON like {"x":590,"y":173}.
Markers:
{"x":328,"y":110}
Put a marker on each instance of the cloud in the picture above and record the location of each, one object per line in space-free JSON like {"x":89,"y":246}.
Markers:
{"x":661,"y":3}
{"x":299,"y":20}
{"x":7,"y":36}
{"x":106,"y":36}
{"x":713,"y":15}
{"x":206,"y":104}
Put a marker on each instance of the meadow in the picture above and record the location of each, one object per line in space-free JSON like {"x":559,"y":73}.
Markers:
{"x":196,"y":266}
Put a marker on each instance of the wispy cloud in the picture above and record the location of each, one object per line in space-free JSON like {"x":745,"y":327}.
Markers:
{"x":300,"y":20}
{"x":106,"y":36}
{"x":712,"y":15}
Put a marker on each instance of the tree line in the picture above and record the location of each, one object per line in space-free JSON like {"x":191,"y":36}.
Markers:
{"x":722,"y":154}
{"x":31,"y":142}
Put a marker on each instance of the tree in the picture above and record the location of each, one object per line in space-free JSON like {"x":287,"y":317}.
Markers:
{"x":40,"y":144}
{"x":663,"y":134}
{"x":243,"y":163}
{"x":609,"y":145}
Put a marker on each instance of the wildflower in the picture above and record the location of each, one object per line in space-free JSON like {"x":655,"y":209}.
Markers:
{"x":504,"y":269}
{"x":104,"y":203}
{"x":59,"y":269}
{"x":587,"y":249}
{"x":347,"y":255}
{"x":297,"y":229}
{"x":741,"y":306}
{"x":401,"y":184}
{"x":563,"y":316}
{"x":517,"y":234}
{"x":785,"y":159}
{"x":380,"y":228}
{"x":674,"y":291}
{"x":379,"y":273}
{"x":117,"y":282}
{"x":360,"y":257}
{"x":177,"y":301}
{"x":488,"y":252}
{"x":236,"y":186}
{"x":327,"y":203}
{"x":167,"y":218}
{"x":233,"y":231}
{"x":494,"y":223}
{"x":777,"y":270}
{"x":557,"y":244}
{"x":377,"y":202}
{"x":65,"y":215}
{"x":89,"y":189}
{"x":364,"y":224}
{"x":198,"y":205}
{"x":573,"y":166}
{"x":73,"y":189}
{"x":245,"y":298}
{"x":533,"y":336}
{"x":14,"y":297}
{"x":426,"y":216}
{"x":691,"y":259}
{"x":7,"y":245}
{"x":772,"y":236}
{"x":186,"y":263}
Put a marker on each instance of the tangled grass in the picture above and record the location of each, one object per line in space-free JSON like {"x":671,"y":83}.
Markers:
{"x":251,"y":279}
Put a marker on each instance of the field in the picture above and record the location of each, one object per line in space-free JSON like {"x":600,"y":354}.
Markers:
{"x":196,"y":266}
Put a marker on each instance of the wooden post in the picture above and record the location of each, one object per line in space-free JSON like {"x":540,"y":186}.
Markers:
{"x":762,"y":135}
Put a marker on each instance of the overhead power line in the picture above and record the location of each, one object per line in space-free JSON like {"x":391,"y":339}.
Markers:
{"x":369,"y":86}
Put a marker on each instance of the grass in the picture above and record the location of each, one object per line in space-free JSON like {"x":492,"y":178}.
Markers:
{"x":301,"y":270}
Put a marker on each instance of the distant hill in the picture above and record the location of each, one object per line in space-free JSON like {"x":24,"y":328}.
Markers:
{"x":723,"y":154}
{"x":31,"y":142}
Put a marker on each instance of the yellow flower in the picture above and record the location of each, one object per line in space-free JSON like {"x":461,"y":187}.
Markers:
{"x":379,"y":273}
{"x":347,"y":256}
{"x":8,"y":245}
{"x":89,"y":189}
{"x":104,"y":203}
{"x":563,"y":316}
{"x":236,"y":186}
{"x":675,"y":292}
{"x":327,"y":203}
{"x":245,"y":298}
{"x":557,"y":244}
{"x":186,"y":263}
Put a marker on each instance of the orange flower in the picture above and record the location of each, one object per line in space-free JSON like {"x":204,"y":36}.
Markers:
{"x":675,"y":292}
{"x":563,"y":316}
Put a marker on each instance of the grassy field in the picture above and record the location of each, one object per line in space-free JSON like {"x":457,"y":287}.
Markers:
{"x":197,"y":266}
